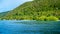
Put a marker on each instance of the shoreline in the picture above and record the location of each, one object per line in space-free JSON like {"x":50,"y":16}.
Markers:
{"x":26,"y":20}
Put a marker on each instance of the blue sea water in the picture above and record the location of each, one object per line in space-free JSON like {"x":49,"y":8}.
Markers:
{"x":29,"y":27}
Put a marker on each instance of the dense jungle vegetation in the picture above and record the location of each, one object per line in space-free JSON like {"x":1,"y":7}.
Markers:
{"x":45,"y":10}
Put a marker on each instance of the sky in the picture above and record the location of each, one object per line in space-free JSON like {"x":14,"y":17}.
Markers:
{"x":7,"y":5}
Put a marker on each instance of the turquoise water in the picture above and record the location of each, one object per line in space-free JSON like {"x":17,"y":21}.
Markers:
{"x":29,"y":27}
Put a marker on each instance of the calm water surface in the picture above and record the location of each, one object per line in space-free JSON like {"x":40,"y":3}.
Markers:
{"x":29,"y":27}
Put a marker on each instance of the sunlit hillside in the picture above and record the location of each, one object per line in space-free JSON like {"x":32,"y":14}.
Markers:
{"x":36,"y":10}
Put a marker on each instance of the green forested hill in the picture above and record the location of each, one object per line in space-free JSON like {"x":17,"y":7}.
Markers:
{"x":3,"y":14}
{"x":36,"y":10}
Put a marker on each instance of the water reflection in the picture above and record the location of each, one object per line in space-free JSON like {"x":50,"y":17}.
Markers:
{"x":29,"y":27}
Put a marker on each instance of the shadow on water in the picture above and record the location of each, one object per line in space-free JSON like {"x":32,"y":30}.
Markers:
{"x":29,"y":27}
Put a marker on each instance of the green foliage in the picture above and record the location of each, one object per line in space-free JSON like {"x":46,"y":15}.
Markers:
{"x":49,"y":18}
{"x":42,"y":18}
{"x":35,"y":10}
{"x":58,"y":17}
{"x":52,"y":18}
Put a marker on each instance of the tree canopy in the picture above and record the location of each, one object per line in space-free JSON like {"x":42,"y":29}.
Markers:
{"x":35,"y":9}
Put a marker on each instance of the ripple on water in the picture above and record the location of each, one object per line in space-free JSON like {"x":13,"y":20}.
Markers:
{"x":29,"y":27}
